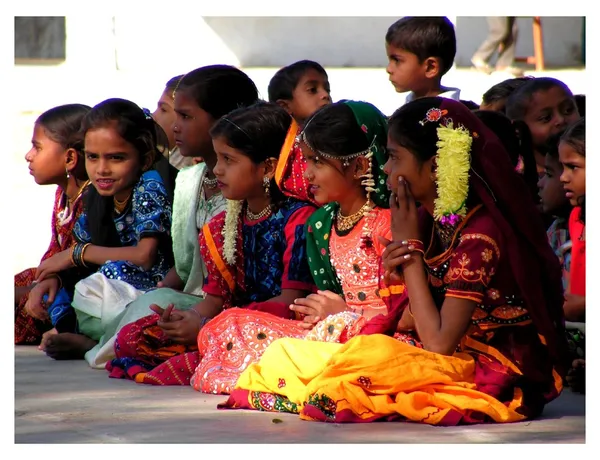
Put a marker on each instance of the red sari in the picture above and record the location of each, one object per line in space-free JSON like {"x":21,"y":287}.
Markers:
{"x":577,"y":273}
{"x":27,"y":329}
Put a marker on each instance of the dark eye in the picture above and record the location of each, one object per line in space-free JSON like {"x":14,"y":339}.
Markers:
{"x":545,"y":119}
{"x":312,"y":90}
{"x":91,"y":156}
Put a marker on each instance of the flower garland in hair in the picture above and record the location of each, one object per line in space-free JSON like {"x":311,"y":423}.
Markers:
{"x":453,"y":163}
{"x":230,"y":229}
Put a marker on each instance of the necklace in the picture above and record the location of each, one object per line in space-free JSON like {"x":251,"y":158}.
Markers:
{"x":344,"y":223}
{"x":71,"y":201}
{"x":210,"y":183}
{"x":265,"y":212}
{"x":121,"y":205}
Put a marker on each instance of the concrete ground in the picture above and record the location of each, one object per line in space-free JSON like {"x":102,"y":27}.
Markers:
{"x":67,"y":402}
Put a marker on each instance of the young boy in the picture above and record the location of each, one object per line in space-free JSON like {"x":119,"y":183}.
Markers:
{"x":420,"y":51}
{"x":300,"y":88}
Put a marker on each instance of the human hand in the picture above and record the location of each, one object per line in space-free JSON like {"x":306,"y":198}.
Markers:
{"x":181,"y":326}
{"x":394,"y":257}
{"x":576,"y":376}
{"x":55,"y":264}
{"x":171,"y":280}
{"x":405,"y":222}
{"x":318,"y":306}
{"x":35,"y":305}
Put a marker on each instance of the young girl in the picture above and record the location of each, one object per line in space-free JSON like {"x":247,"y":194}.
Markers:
{"x":198,"y":103}
{"x":554,"y":203}
{"x":483,"y":285}
{"x":125,"y":227}
{"x":571,"y":152}
{"x":254,"y":252}
{"x":55,"y":158}
{"x":164,"y":115}
{"x":547,"y":106}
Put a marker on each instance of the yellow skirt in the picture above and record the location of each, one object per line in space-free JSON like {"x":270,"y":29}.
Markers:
{"x":370,"y":377}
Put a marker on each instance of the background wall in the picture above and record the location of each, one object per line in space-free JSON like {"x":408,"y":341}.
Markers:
{"x":129,"y":43}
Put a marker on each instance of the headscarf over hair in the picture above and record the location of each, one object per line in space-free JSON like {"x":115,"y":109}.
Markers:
{"x":495,"y":183}
{"x":374,"y":124}
{"x":291,"y":165}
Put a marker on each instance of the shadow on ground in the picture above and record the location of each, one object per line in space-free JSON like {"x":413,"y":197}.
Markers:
{"x":67,"y":402}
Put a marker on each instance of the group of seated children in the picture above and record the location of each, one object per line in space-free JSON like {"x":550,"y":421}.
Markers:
{"x":321,"y":258}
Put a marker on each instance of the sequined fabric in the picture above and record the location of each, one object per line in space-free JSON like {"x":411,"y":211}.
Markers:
{"x":358,"y":267}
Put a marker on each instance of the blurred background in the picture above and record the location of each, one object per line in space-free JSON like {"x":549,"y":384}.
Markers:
{"x":87,"y":59}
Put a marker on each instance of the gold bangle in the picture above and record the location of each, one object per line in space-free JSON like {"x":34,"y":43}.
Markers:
{"x":71,"y":255}
{"x":81,"y":259}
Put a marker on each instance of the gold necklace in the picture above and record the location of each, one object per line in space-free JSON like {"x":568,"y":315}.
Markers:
{"x":344,"y":223}
{"x":265,"y":212}
{"x":71,"y":201}
{"x":121,"y":205}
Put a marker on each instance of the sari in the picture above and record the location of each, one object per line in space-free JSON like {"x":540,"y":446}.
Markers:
{"x":29,"y":330}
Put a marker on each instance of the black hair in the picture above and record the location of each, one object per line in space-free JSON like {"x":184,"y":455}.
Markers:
{"x":580,"y":101}
{"x":516,"y":139}
{"x":173,"y":83}
{"x":501,"y":91}
{"x":517,"y":103}
{"x":575,"y":137}
{"x":551,"y":146}
{"x":286,"y":79}
{"x":138,"y":129}
{"x":62,"y":124}
{"x":219,"y":89}
{"x":333,"y":129}
{"x":470,"y":105}
{"x":258,"y":131}
{"x":425,"y":37}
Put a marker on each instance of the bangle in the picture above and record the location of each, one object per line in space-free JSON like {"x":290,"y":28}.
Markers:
{"x":60,"y":283}
{"x":418,"y":245}
{"x":81,"y":259}
{"x":71,"y":255}
{"x":410,"y":311}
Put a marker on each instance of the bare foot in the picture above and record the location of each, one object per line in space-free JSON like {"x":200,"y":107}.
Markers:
{"x":68,"y":346}
{"x":45,"y":338}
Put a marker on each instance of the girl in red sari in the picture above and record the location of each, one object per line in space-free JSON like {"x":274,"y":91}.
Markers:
{"x":571,"y":151}
{"x":55,"y":158}
{"x":483,"y":284}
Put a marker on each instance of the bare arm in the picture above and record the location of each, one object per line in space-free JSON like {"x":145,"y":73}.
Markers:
{"x":143,"y":254}
{"x":440,"y":331}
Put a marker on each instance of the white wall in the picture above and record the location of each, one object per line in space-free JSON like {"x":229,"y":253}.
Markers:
{"x":278,"y":41}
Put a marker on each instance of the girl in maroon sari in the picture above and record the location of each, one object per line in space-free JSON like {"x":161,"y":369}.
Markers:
{"x":55,"y":158}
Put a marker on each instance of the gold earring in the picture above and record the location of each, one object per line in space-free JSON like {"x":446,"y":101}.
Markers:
{"x":267,"y":185}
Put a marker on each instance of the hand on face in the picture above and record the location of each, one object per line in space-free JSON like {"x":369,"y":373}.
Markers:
{"x":405,"y":225}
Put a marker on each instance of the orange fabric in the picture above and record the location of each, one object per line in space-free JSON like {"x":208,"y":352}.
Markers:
{"x":286,"y":150}
{"x":375,"y":376}
{"x":217,"y":259}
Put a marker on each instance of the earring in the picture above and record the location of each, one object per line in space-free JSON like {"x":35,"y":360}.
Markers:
{"x":267,"y":185}
{"x":67,"y":171}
